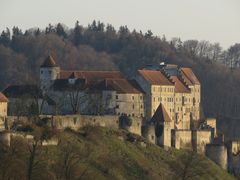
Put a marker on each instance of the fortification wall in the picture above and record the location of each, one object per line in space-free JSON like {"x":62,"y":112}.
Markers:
{"x":2,"y":123}
{"x":148,"y":132}
{"x":218,"y":154}
{"x":182,"y":139}
{"x":5,"y":138}
{"x":199,"y":140}
{"x":212,"y":123}
{"x":78,"y":121}
{"x":235,"y":147}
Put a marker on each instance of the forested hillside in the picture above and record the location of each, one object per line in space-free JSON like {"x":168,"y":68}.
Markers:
{"x":102,"y":47}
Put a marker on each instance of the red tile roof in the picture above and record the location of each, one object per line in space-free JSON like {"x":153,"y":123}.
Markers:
{"x":121,"y":86}
{"x":155,"y":77}
{"x":179,"y":86}
{"x":3,"y":98}
{"x":189,"y":76}
{"x":49,"y":62}
{"x":160,"y":115}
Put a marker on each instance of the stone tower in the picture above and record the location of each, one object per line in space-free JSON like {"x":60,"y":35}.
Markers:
{"x":163,"y":126}
{"x":49,"y":71}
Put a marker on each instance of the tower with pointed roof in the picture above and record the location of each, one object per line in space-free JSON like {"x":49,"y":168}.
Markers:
{"x":164,"y":125}
{"x":49,"y":71}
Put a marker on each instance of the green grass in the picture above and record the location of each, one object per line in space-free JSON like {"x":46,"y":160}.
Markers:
{"x":112,"y":156}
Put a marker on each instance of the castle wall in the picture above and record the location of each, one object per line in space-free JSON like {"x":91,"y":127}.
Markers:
{"x":78,"y":121}
{"x":182,"y":139}
{"x":235,"y":147}
{"x":3,"y":109}
{"x":218,"y":154}
{"x":5,"y":138}
{"x":212,"y":123}
{"x":148,"y":132}
{"x":199,"y":140}
{"x":2,"y":124}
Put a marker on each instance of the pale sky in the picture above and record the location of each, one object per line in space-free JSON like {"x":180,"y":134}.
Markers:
{"x":213,"y":20}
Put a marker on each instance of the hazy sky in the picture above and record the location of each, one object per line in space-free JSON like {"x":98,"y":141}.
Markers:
{"x":213,"y":20}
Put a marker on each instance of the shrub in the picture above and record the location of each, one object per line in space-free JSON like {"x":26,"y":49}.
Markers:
{"x":125,"y":120}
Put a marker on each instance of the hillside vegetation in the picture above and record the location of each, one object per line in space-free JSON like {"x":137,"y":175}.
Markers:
{"x":102,"y":47}
{"x":102,"y":153}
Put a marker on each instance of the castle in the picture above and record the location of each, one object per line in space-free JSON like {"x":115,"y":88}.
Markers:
{"x":164,"y":102}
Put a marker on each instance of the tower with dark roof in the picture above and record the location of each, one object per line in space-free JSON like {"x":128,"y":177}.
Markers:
{"x":163,"y":125}
{"x":49,"y":71}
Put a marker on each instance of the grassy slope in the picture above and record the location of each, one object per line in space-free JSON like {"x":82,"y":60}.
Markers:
{"x":111,"y":156}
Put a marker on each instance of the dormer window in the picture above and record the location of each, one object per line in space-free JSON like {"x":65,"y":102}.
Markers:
{"x":72,"y":79}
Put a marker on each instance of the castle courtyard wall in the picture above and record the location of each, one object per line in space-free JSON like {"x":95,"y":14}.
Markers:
{"x":199,"y":140}
{"x":182,"y":139}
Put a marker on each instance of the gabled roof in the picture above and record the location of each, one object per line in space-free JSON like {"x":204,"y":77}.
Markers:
{"x":64,"y":85}
{"x":49,"y":62}
{"x":189,"y":76}
{"x":92,"y":75}
{"x":73,"y":75}
{"x":3,"y":98}
{"x":16,"y":91}
{"x":160,"y":115}
{"x":155,"y":77}
{"x":179,"y":85}
{"x":121,"y":86}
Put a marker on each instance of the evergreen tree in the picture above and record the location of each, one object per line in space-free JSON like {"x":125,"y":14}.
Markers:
{"x":77,"y":34}
{"x":60,"y":30}
{"x":5,"y":37}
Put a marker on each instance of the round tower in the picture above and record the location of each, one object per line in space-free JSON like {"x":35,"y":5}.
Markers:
{"x":49,"y":71}
{"x":218,"y":154}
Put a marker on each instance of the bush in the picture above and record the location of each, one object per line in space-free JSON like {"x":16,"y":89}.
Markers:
{"x":125,"y":120}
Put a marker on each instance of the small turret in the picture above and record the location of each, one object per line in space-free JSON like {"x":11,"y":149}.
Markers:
{"x":49,"y":71}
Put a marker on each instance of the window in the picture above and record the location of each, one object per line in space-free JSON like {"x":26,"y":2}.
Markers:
{"x":132,"y":114}
{"x":133,"y":106}
{"x":132,"y":97}
{"x":141,"y":106}
{"x":117,"y":106}
{"x":116,"y":96}
{"x":41,"y":71}
{"x":141,"y":97}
